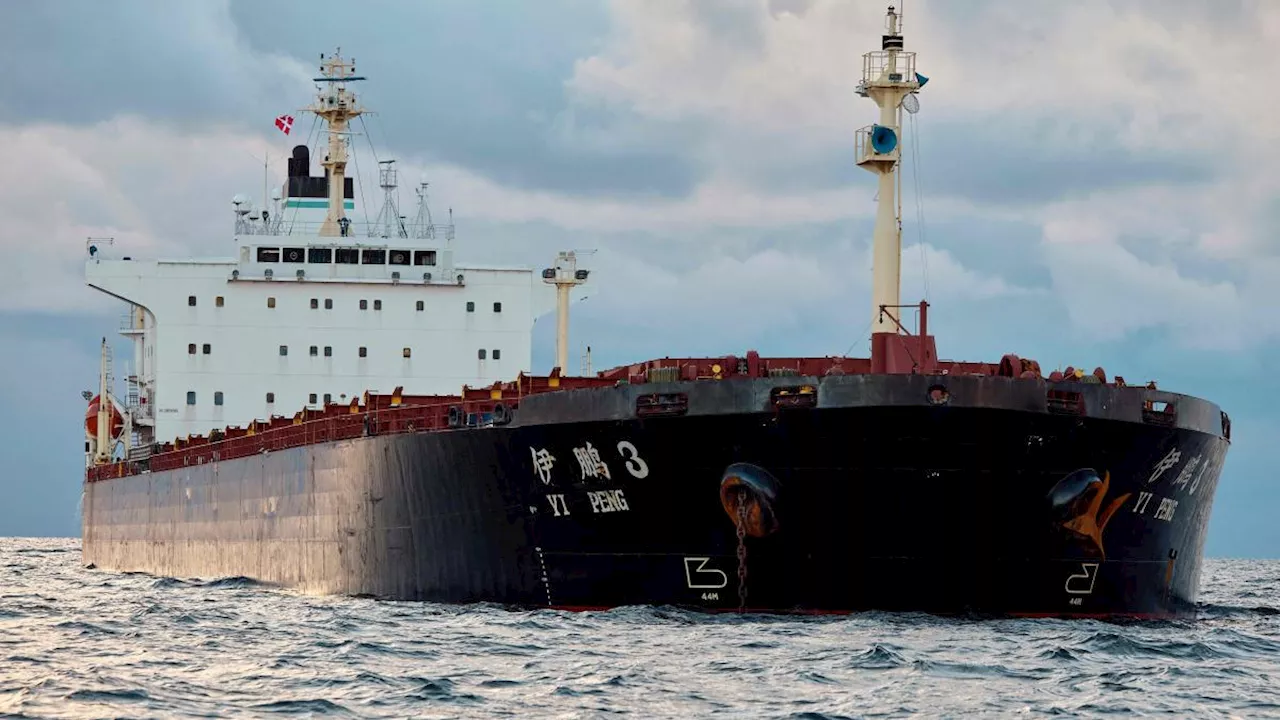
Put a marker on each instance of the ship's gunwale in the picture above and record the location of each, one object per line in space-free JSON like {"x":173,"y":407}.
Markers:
{"x":705,"y":397}
{"x":1098,"y":401}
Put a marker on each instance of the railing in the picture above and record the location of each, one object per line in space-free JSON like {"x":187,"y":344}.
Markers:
{"x":864,"y":151}
{"x":875,"y":67}
{"x":129,"y":323}
{"x":285,"y":227}
{"x":282,"y":434}
{"x":379,"y":415}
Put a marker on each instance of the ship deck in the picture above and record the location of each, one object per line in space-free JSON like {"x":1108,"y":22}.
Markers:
{"x":680,"y":386}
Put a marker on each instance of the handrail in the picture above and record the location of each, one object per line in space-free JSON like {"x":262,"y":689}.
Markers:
{"x":285,"y":227}
{"x":377,"y":416}
{"x":290,"y":434}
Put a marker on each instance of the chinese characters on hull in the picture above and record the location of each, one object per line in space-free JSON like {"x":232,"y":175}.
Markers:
{"x":591,"y":468}
{"x":1196,"y":470}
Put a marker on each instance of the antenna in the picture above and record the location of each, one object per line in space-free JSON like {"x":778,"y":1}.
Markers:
{"x":266,"y":180}
{"x":389,"y":215}
{"x":422,"y":225}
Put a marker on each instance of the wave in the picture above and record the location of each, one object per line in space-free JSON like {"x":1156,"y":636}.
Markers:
{"x":79,"y":644}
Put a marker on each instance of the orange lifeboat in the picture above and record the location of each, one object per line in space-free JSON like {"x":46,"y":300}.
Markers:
{"x":91,"y":419}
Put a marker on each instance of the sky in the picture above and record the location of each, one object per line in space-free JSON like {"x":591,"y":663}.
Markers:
{"x":1087,"y":183}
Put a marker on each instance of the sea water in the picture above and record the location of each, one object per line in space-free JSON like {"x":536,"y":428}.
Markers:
{"x":79,"y":643}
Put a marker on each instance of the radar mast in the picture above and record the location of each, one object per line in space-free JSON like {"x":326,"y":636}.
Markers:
{"x":337,"y":106}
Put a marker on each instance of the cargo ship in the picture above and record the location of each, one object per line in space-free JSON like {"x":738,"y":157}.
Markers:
{"x":342,"y":407}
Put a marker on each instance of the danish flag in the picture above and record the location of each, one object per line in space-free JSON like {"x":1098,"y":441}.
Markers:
{"x":284,"y":123}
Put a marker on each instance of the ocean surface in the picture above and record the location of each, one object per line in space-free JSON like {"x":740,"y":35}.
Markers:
{"x":79,"y":643}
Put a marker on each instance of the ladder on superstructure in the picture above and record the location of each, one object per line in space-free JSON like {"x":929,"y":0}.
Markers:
{"x":133,"y":403}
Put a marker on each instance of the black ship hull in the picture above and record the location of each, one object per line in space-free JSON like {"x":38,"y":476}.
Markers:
{"x":874,"y":498}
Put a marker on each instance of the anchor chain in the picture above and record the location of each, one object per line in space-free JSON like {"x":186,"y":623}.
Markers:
{"x":742,"y":552}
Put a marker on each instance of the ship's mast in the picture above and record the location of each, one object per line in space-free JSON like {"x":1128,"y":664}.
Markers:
{"x":337,"y":106}
{"x":888,"y":76}
{"x":565,"y":275}
{"x":103,"y":440}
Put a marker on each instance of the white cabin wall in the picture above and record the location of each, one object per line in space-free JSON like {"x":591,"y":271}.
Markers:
{"x":244,"y":335}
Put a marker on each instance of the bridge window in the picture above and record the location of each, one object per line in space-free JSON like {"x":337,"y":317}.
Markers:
{"x":268,"y":254}
{"x":377,"y":304}
{"x":294,"y":255}
{"x":328,"y":398}
{"x":191,"y":348}
{"x":480,"y":354}
{"x":191,"y":397}
{"x":206,"y":348}
{"x":407,"y":352}
{"x":399,"y":257}
{"x":471,"y":307}
{"x":497,"y":307}
{"x":271,"y":397}
{"x":217,"y":398}
{"x":346,"y":256}
{"x":424,"y":257}
{"x":315,"y":303}
{"x":320,"y":256}
{"x":497,"y":354}
{"x":311,"y":399}
{"x":271,"y":302}
{"x":284,"y":350}
{"x":373,"y":257}
{"x":314,"y":351}
{"x":191,"y":300}
{"x":364,"y":304}
{"x":328,"y":303}
{"x":328,"y":351}
{"x":217,"y":301}
{"x":421,"y":306}
{"x":364,"y":351}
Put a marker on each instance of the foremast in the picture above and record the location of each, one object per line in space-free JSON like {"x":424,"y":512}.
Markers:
{"x":337,"y":107}
{"x":889,"y":77}
{"x":565,"y":275}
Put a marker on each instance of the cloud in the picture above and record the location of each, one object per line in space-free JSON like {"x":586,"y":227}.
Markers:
{"x":1031,"y":119}
{"x":718,"y":271}
{"x":87,"y":62}
{"x":710,"y":133}
{"x":1110,"y":291}
{"x":495,"y":106}
{"x":163,"y":192}
{"x":154,"y":190}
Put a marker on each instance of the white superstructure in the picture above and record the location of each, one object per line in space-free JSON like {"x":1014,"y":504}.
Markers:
{"x":312,"y":307}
